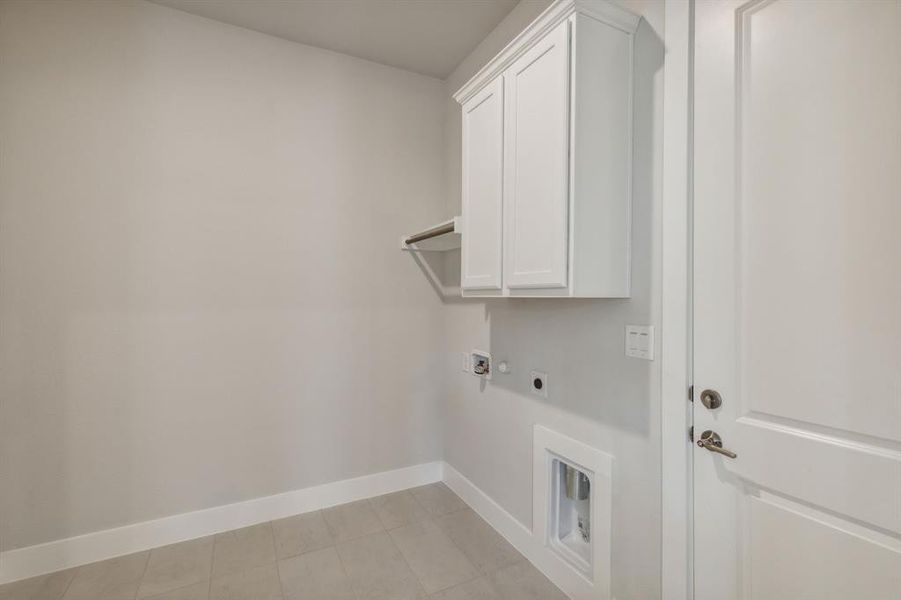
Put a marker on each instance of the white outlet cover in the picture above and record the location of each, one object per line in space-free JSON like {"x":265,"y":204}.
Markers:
{"x":542,"y":390}
{"x":640,"y":341}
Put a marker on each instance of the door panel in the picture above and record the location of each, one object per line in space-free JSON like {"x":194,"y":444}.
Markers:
{"x":819,"y":153}
{"x":797,"y":284}
{"x":857,"y":479}
{"x":536,"y":172}
{"x":849,"y":561}
{"x":481,"y":252}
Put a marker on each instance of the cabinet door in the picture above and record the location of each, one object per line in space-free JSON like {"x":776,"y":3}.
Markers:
{"x":536,"y":172}
{"x":482,"y":189}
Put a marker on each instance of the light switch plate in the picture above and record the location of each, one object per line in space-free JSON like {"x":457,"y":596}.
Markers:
{"x":640,"y":341}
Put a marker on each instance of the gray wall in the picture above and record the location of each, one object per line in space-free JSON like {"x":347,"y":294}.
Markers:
{"x":597,"y":394}
{"x":203,"y":300}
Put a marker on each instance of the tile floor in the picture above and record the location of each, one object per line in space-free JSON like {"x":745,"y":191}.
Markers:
{"x":423,"y":543}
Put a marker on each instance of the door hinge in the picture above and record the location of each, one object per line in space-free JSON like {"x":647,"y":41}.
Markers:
{"x":691,"y":393}
{"x":691,"y":433}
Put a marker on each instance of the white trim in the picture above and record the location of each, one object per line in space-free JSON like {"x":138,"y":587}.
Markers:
{"x":565,"y":577}
{"x":676,"y":553}
{"x":71,"y":552}
{"x":555,"y":14}
{"x":519,"y":535}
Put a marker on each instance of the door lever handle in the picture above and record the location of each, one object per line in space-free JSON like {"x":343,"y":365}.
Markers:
{"x":713,"y":442}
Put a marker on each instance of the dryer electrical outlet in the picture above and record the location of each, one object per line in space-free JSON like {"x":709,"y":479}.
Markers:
{"x":538,"y":383}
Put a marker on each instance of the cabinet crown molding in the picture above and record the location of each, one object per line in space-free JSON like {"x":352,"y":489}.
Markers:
{"x":559,"y":11}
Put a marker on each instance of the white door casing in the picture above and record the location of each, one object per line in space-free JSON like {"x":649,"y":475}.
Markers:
{"x":797,"y":299}
{"x":481,"y":252}
{"x":536,"y":166}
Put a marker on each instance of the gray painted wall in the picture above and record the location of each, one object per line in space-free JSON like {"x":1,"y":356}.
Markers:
{"x":203,"y":299}
{"x":596,"y":393}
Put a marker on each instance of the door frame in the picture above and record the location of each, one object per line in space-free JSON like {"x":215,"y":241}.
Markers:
{"x":676,"y":318}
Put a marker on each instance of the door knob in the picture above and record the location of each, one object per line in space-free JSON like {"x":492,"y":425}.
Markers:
{"x":711,"y":399}
{"x":713,"y":442}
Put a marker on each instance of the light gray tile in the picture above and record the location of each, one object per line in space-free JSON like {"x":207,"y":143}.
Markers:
{"x":353,"y":520}
{"x":315,"y":575}
{"x":177,"y":566}
{"x":198,"y":591}
{"x":303,"y":533}
{"x":436,"y":561}
{"x":260,"y":583}
{"x":477,"y":589}
{"x":438,"y":499}
{"x":114,"y":579}
{"x":243,"y":549}
{"x":522,"y":581}
{"x":377,"y":570}
{"x":398,"y":509}
{"x":45,"y":587}
{"x":485,"y":547}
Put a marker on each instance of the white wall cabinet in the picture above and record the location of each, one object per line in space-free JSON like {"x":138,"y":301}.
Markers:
{"x":483,"y":128}
{"x":536,"y":148}
{"x":547,"y":148}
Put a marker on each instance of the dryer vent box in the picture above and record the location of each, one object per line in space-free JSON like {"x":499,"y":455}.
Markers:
{"x":572,"y":504}
{"x":570,"y":519}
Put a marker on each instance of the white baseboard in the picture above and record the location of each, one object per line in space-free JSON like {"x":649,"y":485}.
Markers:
{"x":570,"y":581}
{"x":71,"y":552}
{"x":53,"y":556}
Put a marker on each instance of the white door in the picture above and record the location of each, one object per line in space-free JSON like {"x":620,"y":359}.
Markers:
{"x":536,"y":173}
{"x":797,"y":299}
{"x":482,"y":189}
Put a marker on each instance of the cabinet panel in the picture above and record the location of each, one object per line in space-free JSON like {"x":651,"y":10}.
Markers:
{"x":481,"y":252}
{"x":536,"y":173}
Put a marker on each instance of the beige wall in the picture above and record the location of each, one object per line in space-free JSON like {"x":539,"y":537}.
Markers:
{"x":597,"y":394}
{"x":201,"y":299}
{"x":202,"y":295}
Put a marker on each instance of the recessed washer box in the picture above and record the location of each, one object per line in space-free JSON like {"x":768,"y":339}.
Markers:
{"x":480,"y":364}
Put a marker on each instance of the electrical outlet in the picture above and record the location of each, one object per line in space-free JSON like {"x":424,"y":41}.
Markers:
{"x":539,"y":383}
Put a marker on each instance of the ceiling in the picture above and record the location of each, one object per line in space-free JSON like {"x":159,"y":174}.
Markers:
{"x":430,"y":37}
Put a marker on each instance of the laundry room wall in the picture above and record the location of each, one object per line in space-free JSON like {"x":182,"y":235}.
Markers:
{"x":595,"y":393}
{"x":202,"y":295}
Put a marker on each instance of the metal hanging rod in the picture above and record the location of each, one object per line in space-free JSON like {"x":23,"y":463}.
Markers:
{"x":430,"y":233}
